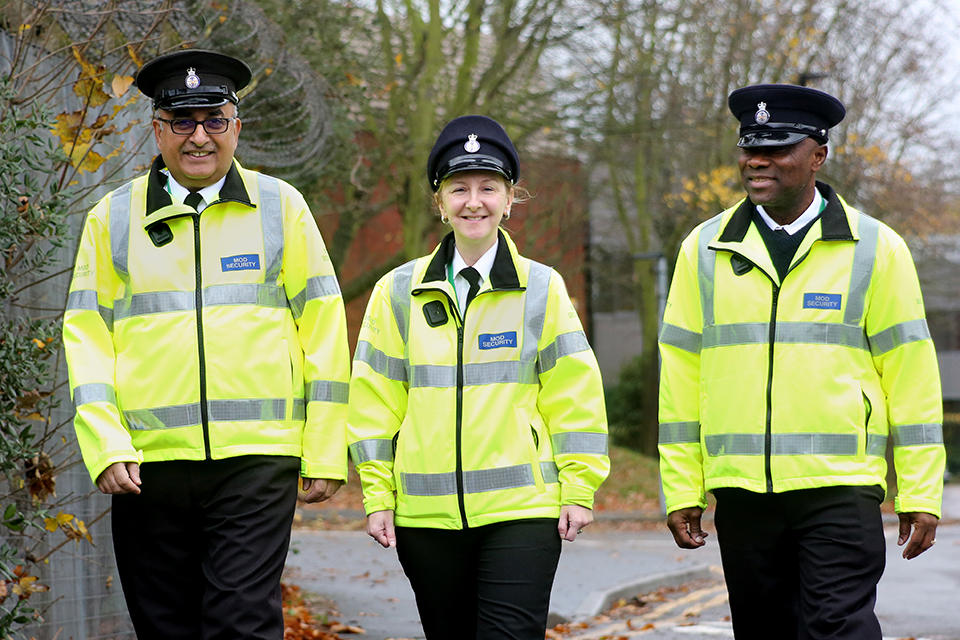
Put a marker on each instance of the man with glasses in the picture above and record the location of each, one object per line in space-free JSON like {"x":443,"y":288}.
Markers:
{"x":206,"y":344}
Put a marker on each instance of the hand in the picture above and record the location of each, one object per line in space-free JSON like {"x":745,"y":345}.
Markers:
{"x":573,"y":518}
{"x":924,"y":533}
{"x":120,"y":478}
{"x":380,"y":528}
{"x":685,"y":526}
{"x":320,"y":489}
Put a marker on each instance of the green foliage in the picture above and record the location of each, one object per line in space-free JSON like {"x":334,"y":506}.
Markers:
{"x":625,"y":410}
{"x":33,"y":210}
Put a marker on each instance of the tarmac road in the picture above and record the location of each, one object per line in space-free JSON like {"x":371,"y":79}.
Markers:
{"x":916,"y":599}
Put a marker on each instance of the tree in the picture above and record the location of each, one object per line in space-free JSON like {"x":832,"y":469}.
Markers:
{"x":65,"y":129}
{"x":663,"y":151}
{"x":400,"y":70}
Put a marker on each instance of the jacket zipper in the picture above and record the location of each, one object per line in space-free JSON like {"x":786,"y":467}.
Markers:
{"x":460,"y":498}
{"x":768,"y":435}
{"x":204,"y":418}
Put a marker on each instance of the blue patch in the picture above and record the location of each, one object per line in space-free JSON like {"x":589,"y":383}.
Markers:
{"x":498,"y":340}
{"x":822,"y":301}
{"x":239,"y":263}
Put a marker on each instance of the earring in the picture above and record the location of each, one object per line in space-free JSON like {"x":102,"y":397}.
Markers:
{"x":506,"y":214}
{"x":444,"y":220}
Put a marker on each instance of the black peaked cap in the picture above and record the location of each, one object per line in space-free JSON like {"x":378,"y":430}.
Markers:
{"x":472,"y":143}
{"x":783,"y":114}
{"x":192,"y":78}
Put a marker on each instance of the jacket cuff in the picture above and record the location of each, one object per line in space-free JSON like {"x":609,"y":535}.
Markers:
{"x":907,"y":504}
{"x":320,"y":470}
{"x":386,"y":502}
{"x":576,"y":494}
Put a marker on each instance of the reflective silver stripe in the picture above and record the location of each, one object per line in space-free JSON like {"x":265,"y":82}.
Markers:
{"x":534,"y":316}
{"x":550,"y":472}
{"x":822,"y":333}
{"x":861,"y":271}
{"x":911,"y":435}
{"x":899,"y":334}
{"x":876,"y":445}
{"x":390,"y":368}
{"x":707,"y":264}
{"x":328,"y":391}
{"x":479,"y":373}
{"x":579,"y":442}
{"x":82,"y":300}
{"x":826,"y":333}
{"x":271,"y":225}
{"x":261,"y":295}
{"x":400,"y":297}
{"x":802,"y":444}
{"x":86,"y":300}
{"x":247,"y":410}
{"x":372,"y":449}
{"x":784,"y":444}
{"x":674,"y":336}
{"x":428,"y":484}
{"x":94,"y":392}
{"x":317,"y":287}
{"x":477,"y":481}
{"x":475,"y":374}
{"x":566,"y":344}
{"x":120,"y":229}
{"x":185,"y":415}
{"x":142,"y":304}
{"x":724,"y":335}
{"x":679,"y":433}
{"x":433,"y":375}
{"x":498,"y":479}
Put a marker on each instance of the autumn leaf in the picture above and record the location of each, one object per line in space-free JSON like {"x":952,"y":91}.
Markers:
{"x":3,"y":590}
{"x":40,"y":477}
{"x":25,"y":586}
{"x":120,"y":85}
{"x":90,"y":85}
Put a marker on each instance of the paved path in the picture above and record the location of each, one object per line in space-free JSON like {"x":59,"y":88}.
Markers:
{"x":916,"y":598}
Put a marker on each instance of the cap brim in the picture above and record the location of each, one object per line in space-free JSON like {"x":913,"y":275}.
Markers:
{"x":192,"y":102}
{"x":770,"y":139}
{"x":473,"y":163}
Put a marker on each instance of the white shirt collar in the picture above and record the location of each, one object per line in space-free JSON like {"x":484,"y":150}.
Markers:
{"x":805,"y":218}
{"x":179,"y":193}
{"x":483,"y":265}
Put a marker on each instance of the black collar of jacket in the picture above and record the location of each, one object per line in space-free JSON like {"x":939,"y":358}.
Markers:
{"x":503,"y":274}
{"x":833,"y":221}
{"x":157,"y":196}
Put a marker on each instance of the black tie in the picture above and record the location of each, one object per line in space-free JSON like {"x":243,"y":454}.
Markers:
{"x":473,"y":277}
{"x":783,"y":233}
{"x":193,"y":200}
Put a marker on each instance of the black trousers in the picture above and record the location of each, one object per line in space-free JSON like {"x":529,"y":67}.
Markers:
{"x":489,"y":583}
{"x":802,"y":564}
{"x":200,"y":550}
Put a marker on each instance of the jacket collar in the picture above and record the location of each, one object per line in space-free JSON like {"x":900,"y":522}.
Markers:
{"x":158,"y":198}
{"x":833,"y":221}
{"x":503,"y":275}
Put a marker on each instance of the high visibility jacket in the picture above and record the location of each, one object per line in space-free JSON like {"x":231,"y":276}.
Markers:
{"x":773,"y":386}
{"x":460,"y":421}
{"x":227,"y":339}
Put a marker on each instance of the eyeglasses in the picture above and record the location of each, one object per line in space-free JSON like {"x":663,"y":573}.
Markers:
{"x":186,"y":126}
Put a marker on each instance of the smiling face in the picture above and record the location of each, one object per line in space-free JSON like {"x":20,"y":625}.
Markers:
{"x":782,"y":179}
{"x":474,"y":202}
{"x":200,"y":159}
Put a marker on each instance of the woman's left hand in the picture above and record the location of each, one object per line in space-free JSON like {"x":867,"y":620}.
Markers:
{"x":573,"y":518}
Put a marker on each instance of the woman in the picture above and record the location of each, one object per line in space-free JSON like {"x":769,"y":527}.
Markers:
{"x":476,"y":408}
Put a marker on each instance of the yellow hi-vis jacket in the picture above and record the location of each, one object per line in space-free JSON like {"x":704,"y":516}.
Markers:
{"x":206,"y":336}
{"x":461,"y":422}
{"x":772,"y":386}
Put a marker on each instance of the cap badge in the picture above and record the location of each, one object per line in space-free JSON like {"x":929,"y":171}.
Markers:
{"x":193,"y":80}
{"x":471,"y":145}
{"x":762,"y":116}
